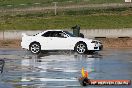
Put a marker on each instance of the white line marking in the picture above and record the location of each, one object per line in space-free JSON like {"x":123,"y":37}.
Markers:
{"x":36,"y":3}
{"x":9,"y":5}
{"x":69,"y":1}
{"x":49,"y":79}
{"x":22,"y":4}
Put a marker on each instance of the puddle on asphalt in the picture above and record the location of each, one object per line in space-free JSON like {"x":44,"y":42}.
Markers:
{"x":59,"y":70}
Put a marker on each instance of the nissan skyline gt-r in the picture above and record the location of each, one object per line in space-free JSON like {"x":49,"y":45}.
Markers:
{"x":59,"y":40}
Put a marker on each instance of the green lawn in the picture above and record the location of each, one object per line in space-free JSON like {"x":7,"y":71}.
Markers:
{"x":16,"y":3}
{"x":86,"y":18}
{"x":61,"y":22}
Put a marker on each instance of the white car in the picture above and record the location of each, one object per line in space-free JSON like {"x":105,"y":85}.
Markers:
{"x":58,"y":40}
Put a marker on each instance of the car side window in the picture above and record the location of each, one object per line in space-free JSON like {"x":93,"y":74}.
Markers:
{"x":47,"y":34}
{"x":62,"y":35}
{"x":54,"y":34}
{"x":59,"y":34}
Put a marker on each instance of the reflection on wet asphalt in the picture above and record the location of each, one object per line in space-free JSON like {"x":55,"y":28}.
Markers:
{"x":62,"y":69}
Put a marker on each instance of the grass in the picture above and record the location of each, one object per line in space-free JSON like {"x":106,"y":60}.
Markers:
{"x":61,"y":22}
{"x":66,"y":18}
{"x":16,"y":3}
{"x":87,"y":18}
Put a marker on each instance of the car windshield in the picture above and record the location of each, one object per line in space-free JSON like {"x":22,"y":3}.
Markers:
{"x":70,"y":34}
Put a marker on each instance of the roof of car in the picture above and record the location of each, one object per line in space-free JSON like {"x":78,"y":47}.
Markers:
{"x":53,"y":30}
{"x":48,"y":30}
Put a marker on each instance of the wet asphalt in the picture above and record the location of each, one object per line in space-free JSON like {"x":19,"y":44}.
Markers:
{"x":62,"y":69}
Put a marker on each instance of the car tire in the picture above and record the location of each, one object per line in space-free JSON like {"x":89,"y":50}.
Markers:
{"x":81,"y":48}
{"x":35,"y":48}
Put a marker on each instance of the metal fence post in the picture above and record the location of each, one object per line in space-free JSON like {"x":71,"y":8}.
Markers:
{"x":55,"y":6}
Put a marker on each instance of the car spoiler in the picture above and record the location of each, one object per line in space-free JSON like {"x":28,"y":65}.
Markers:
{"x":24,"y":34}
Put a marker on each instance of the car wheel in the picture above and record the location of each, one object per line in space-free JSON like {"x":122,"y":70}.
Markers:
{"x":35,"y":48}
{"x":81,"y":48}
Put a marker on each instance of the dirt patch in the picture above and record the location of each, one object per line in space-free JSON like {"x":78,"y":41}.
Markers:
{"x":107,"y":43}
{"x":116,"y":42}
{"x":10,"y":43}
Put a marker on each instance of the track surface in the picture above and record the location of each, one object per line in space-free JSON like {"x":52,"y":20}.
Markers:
{"x":61,"y":69}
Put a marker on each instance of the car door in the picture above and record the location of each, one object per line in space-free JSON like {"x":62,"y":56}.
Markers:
{"x":46,"y":40}
{"x":52,"y":40}
{"x":56,"y":40}
{"x":60,"y":41}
